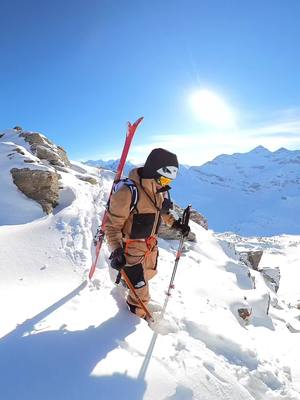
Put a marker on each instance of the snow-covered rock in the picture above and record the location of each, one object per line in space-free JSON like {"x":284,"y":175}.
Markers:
{"x":31,"y":172}
{"x":44,"y":149}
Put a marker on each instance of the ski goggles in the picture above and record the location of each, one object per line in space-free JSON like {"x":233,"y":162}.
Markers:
{"x":163,"y":181}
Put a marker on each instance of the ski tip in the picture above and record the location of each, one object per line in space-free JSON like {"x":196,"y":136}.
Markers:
{"x":136,"y":123}
{"x":139,"y":120}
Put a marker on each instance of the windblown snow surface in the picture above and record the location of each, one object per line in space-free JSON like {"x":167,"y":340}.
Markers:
{"x":64,"y":337}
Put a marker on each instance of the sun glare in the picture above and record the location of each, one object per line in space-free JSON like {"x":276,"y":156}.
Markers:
{"x":212,"y":109}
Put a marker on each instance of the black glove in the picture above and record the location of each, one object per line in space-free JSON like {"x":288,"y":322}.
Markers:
{"x":179,"y":226}
{"x":167,"y":205}
{"x":118,"y":260}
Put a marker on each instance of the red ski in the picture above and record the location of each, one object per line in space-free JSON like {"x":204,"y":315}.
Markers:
{"x":101,"y":230}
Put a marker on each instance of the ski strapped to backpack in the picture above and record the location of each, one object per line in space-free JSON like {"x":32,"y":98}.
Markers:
{"x":99,"y":237}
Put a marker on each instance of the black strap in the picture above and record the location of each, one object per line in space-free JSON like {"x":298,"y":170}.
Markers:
{"x":118,"y":278}
{"x":134,"y":196}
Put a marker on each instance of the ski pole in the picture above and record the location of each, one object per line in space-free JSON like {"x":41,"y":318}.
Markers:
{"x":185,"y":222}
{"x":131,"y":287}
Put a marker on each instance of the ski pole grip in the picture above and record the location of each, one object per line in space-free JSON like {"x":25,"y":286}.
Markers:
{"x":186,"y":215}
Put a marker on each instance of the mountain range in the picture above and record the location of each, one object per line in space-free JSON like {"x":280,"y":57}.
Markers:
{"x":254,"y":194}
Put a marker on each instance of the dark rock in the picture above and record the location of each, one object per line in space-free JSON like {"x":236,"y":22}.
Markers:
{"x":88,"y":179}
{"x":20,"y":151}
{"x":199,"y":219}
{"x":59,"y":168}
{"x":195,"y":216}
{"x":44,"y":149}
{"x":252,"y":258}
{"x":41,"y":186}
{"x":168,"y":233}
{"x":245,"y":313}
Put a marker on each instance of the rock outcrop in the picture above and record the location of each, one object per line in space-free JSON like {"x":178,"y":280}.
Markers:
{"x":199,"y":219}
{"x":37,"y":167}
{"x":195,"y":216}
{"x":171,"y":234}
{"x":272,"y":277}
{"x":41,"y":186}
{"x":44,"y":149}
{"x":252,"y":258}
{"x":88,"y":179}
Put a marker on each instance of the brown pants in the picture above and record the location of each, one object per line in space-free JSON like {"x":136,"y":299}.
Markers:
{"x":141,"y":262}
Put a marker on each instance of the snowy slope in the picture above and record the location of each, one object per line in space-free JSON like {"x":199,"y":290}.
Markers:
{"x":62,"y":337}
{"x":254,"y":193}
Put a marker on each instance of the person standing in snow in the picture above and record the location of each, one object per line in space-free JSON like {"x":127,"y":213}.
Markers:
{"x":132,"y":234}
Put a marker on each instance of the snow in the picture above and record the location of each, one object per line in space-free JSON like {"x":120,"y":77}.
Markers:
{"x":254,"y":193}
{"x":64,"y":337}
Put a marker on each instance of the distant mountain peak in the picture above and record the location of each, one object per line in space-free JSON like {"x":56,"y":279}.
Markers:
{"x":281,"y":150}
{"x":260,"y":149}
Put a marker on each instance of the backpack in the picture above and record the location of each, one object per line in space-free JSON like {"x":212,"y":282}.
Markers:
{"x":133,"y":189}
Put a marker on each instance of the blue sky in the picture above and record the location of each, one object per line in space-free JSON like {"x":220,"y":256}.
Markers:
{"x":79,"y":70}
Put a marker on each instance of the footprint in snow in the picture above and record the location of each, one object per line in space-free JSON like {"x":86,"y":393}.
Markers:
{"x":210,"y":367}
{"x":164,"y":325}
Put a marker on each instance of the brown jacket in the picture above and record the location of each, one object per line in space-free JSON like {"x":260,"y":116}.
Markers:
{"x":143,"y":221}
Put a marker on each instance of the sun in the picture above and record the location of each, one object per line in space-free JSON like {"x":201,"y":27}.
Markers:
{"x":211,"y":109}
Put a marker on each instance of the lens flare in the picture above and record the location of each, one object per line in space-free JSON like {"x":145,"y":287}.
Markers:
{"x":210,"y":108}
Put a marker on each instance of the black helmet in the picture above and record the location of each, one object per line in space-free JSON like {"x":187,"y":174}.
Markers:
{"x":160,"y":163}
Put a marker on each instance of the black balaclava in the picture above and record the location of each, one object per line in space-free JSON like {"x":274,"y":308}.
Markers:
{"x":157,"y":159}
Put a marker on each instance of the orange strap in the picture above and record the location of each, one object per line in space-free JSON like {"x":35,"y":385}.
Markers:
{"x":150,"y":241}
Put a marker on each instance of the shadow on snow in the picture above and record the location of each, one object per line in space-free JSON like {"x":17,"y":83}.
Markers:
{"x":58,"y":364}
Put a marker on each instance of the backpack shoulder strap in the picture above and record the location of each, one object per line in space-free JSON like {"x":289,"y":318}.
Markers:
{"x":133,"y":189}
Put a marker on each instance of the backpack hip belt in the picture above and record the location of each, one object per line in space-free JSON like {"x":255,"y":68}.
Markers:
{"x":150,"y":242}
